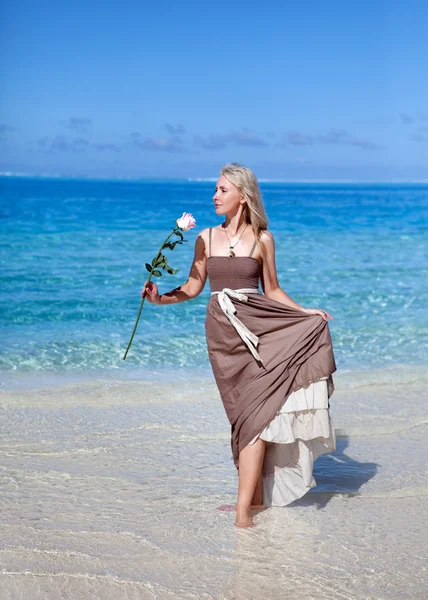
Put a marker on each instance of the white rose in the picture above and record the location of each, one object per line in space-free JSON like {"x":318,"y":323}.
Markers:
{"x":186,"y":222}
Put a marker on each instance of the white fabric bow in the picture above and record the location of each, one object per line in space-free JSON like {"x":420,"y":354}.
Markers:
{"x":229,"y":310}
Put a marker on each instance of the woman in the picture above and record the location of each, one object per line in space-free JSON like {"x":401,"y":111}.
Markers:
{"x":272,"y":359}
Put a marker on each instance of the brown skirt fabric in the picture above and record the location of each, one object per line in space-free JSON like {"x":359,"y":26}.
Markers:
{"x":296,"y":349}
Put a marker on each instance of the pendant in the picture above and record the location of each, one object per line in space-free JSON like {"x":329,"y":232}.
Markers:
{"x":231,"y":252}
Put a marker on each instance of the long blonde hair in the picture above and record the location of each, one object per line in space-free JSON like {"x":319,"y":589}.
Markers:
{"x":246,"y":182}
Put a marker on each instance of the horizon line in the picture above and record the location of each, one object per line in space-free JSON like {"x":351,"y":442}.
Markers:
{"x":10,"y":174}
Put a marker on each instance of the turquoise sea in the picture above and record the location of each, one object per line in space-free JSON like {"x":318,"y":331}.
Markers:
{"x":72,"y":266}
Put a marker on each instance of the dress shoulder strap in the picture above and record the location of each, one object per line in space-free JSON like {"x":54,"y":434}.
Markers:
{"x":252,"y":249}
{"x":209,"y":245}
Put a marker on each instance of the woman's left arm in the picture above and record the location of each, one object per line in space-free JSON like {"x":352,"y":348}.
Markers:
{"x":269,"y":279}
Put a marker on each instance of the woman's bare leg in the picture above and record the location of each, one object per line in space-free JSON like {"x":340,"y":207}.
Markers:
{"x":257,"y":500}
{"x":250,"y":467}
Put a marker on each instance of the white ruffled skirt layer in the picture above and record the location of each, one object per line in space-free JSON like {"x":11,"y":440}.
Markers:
{"x":300,"y":432}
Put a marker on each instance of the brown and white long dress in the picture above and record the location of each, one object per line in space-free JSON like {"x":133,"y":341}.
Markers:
{"x":273,"y":367}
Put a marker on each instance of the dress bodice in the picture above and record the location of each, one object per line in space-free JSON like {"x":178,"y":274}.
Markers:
{"x":237,"y":272}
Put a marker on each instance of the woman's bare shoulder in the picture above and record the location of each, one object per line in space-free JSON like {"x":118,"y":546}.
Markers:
{"x":202,"y":241}
{"x":266,"y":237}
{"x":204,"y":234}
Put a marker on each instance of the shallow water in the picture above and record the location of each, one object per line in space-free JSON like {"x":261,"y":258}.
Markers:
{"x":110,"y":490}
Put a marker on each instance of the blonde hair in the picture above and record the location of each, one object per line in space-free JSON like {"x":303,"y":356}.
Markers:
{"x":246,"y":182}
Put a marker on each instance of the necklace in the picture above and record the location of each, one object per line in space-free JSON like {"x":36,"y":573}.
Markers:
{"x":231,"y":252}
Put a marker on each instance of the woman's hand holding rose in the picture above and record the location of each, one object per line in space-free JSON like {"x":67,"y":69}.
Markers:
{"x":151,"y":292}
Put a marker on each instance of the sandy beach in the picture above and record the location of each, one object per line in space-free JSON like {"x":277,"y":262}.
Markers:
{"x":111,"y":489}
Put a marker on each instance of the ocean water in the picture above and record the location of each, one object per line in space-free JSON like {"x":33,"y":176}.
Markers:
{"x":72,"y":260}
{"x":112,"y":471}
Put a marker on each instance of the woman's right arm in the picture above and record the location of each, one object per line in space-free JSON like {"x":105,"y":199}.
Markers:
{"x":194,"y":284}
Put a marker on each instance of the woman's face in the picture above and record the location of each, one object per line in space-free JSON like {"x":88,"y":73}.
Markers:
{"x":227,"y":197}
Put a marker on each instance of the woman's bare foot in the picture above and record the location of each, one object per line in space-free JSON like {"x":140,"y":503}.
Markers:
{"x":243,"y":516}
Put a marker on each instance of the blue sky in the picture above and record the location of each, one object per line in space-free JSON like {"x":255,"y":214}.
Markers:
{"x":295,"y":90}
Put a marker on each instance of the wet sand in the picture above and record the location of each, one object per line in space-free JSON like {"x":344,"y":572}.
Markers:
{"x":110,"y":490}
